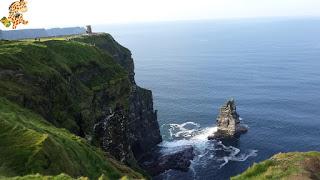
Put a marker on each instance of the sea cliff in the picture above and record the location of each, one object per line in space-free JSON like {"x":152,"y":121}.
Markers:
{"x":72,"y":106}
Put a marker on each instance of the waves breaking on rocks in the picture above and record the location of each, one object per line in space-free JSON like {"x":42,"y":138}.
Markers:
{"x":208,"y":153}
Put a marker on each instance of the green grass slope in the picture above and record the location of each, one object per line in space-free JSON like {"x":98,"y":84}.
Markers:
{"x":41,"y":177}
{"x":61,"y":80}
{"x":106,"y":42}
{"x":285,"y":166}
{"x":29,"y":145}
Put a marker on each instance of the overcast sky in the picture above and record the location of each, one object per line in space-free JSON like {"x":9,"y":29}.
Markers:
{"x":54,"y":13}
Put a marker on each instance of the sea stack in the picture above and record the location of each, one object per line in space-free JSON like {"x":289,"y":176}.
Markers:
{"x":228,"y":122}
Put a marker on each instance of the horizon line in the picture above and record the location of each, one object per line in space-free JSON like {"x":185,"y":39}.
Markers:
{"x":264,"y":18}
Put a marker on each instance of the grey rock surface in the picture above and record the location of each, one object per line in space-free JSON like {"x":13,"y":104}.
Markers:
{"x":135,"y":131}
{"x":228,"y":122}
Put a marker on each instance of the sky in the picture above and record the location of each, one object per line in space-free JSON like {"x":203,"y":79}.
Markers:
{"x":58,"y":13}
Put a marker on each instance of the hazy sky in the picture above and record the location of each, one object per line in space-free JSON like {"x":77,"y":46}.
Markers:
{"x":52,"y":13}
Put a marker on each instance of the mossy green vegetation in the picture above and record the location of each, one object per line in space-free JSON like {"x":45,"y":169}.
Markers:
{"x":51,"y":93}
{"x":57,"y":177}
{"x":106,"y":42}
{"x":285,"y":166}
{"x":33,"y":145}
{"x":102,"y":40}
{"x":59,"y":79}
{"x":41,"y":177}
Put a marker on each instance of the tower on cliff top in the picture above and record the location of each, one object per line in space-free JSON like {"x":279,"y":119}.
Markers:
{"x":89,"y":29}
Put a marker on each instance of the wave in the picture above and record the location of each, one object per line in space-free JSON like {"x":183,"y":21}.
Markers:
{"x":207,"y":152}
{"x":189,"y":133}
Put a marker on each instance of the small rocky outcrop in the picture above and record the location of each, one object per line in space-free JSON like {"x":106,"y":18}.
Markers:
{"x":228,"y":122}
{"x":156,"y":162}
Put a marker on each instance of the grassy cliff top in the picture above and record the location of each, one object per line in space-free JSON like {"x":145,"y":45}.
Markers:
{"x":48,"y":57}
{"x":285,"y":166}
{"x":106,"y":42}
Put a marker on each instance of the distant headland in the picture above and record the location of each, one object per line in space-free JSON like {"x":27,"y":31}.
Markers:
{"x":42,"y":32}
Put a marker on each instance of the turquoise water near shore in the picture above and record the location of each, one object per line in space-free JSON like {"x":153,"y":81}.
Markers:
{"x":270,"y":66}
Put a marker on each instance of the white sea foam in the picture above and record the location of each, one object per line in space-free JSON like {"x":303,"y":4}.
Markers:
{"x":196,"y":137}
{"x":240,"y":158}
{"x":184,"y":130}
{"x":191,"y":134}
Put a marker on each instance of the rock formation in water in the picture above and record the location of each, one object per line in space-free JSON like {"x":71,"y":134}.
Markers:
{"x":228,"y":122}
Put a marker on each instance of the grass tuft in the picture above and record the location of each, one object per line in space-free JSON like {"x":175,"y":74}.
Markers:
{"x":285,"y":166}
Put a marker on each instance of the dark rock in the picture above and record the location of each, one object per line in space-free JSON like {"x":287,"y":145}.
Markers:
{"x":129,"y":134}
{"x":228,"y":122}
{"x":156,"y":163}
{"x":111,"y":134}
{"x":142,"y":130}
{"x":143,"y":125}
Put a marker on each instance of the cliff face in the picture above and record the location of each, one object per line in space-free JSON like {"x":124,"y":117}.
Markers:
{"x":143,"y":124}
{"x":85,"y":85}
{"x":140,"y":121}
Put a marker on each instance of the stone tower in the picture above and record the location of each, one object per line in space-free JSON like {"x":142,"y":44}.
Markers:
{"x":89,"y":29}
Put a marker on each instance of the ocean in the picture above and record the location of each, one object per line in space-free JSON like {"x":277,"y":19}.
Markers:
{"x":271,"y":67}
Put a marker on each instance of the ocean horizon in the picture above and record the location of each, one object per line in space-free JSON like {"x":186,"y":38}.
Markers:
{"x":270,"y":67}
